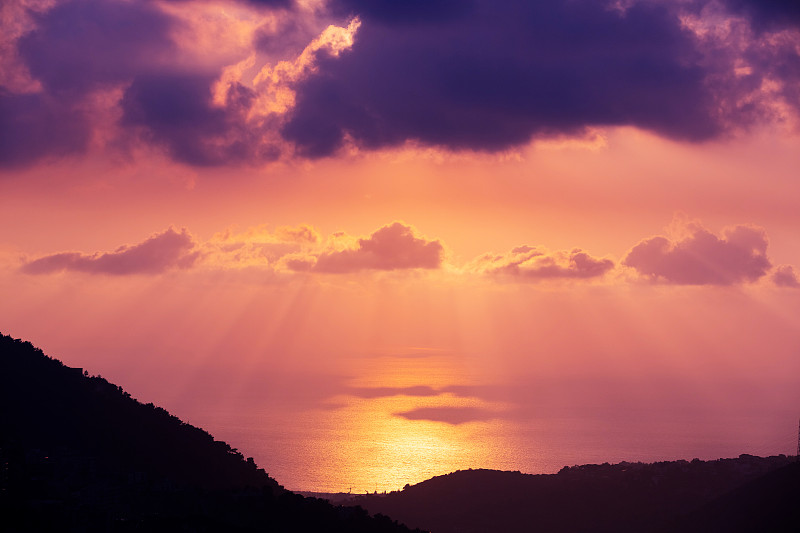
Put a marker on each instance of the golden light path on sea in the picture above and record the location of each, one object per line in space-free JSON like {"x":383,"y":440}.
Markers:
{"x":367,"y":439}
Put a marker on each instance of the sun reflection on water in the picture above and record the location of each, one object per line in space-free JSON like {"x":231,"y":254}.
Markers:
{"x":383,"y":451}
{"x":376,"y":448}
{"x":404,"y":419}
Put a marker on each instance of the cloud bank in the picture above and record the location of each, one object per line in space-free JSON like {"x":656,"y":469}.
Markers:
{"x":488,"y":76}
{"x":294,"y":248}
{"x":456,"y":75}
{"x":695,"y":257}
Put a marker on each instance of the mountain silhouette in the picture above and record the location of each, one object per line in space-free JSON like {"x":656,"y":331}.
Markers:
{"x":78,"y":453}
{"x":768,"y":503}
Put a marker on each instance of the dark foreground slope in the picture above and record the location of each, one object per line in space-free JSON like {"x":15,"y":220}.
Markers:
{"x":674,"y":496}
{"x":79,"y":454}
{"x":770,"y":503}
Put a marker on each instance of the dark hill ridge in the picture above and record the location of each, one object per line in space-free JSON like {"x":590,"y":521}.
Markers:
{"x":769,"y":503}
{"x":77,"y":453}
{"x":59,"y":410}
{"x":626,"y":497}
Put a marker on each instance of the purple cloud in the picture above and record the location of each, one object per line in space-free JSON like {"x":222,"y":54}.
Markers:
{"x":702,"y":258}
{"x":266,"y":3}
{"x":455,"y":74}
{"x":175,"y":112}
{"x":393,"y":13}
{"x":81,"y":45}
{"x":785,"y":276}
{"x":35,"y":126}
{"x":161,"y":252}
{"x":75,"y":48}
{"x":495,"y":75}
{"x":768,"y":14}
{"x":449,"y":415}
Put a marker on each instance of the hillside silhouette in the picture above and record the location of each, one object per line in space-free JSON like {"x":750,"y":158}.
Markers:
{"x":78,"y":453}
{"x":674,"y":496}
{"x":768,"y":503}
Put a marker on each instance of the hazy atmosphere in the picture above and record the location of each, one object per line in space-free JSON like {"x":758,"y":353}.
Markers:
{"x":370,"y":242}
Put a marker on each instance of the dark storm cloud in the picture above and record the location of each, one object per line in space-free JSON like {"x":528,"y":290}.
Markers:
{"x":265,"y":3}
{"x":287,"y":36}
{"x":460,"y":75}
{"x":768,"y":14}
{"x":161,"y":252}
{"x":271,"y":3}
{"x":33,"y":126}
{"x":780,"y":61}
{"x":175,"y":112}
{"x":501,"y":73}
{"x":80,"y":45}
{"x":74,"y":48}
{"x":394,"y":13}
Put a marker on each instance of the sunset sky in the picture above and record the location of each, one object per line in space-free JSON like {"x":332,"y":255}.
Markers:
{"x":372,"y":241}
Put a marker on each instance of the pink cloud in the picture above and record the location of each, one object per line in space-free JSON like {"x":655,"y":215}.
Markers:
{"x":702,"y":258}
{"x":161,"y":252}
{"x":532,"y":263}
{"x":392,"y":247}
{"x":449,"y":415}
{"x":785,"y":276}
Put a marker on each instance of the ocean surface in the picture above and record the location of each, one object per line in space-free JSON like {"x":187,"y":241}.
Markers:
{"x":410,"y":417}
